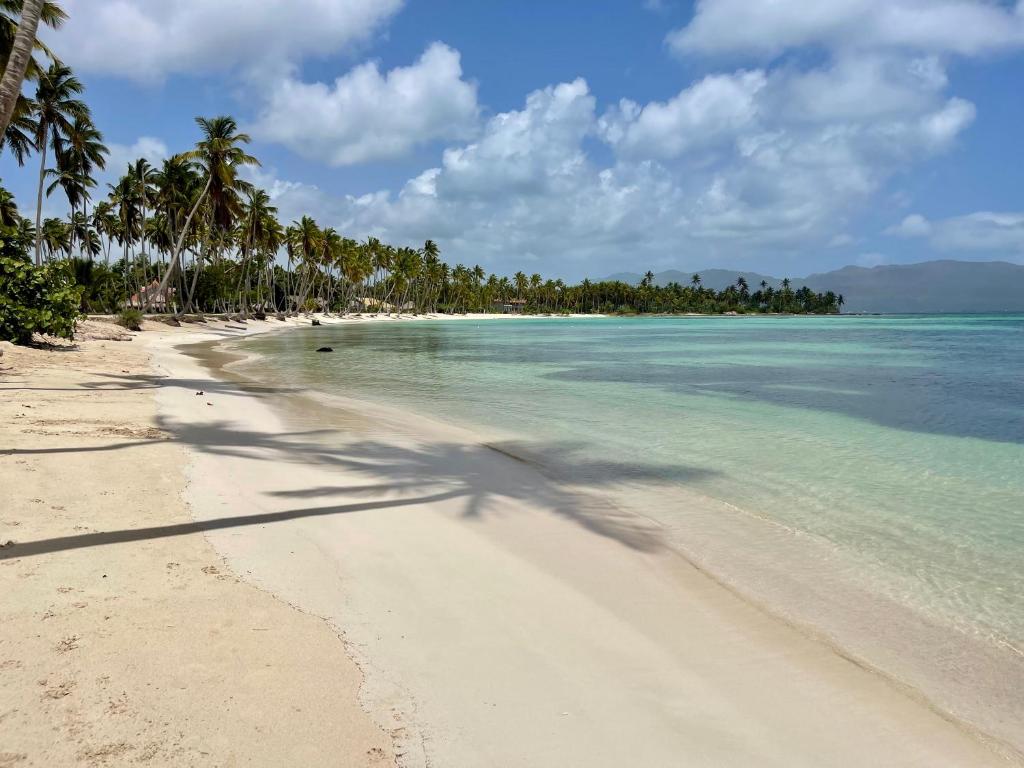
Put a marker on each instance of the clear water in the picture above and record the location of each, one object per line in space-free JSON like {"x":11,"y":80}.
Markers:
{"x":897,"y":440}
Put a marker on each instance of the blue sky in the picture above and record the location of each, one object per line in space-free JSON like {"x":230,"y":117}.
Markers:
{"x":579,"y":138}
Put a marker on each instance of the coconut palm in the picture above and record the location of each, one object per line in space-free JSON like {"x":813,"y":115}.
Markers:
{"x":57,"y":107}
{"x":219,"y":156}
{"x":55,"y":236}
{"x":17,"y":42}
{"x":82,"y":152}
{"x":9,"y":216}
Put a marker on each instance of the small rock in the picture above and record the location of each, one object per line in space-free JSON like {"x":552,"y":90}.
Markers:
{"x":315,"y":321}
{"x":325,"y":349}
{"x":200,"y":392}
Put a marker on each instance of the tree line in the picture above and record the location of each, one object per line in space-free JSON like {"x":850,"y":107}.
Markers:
{"x":192,"y":234}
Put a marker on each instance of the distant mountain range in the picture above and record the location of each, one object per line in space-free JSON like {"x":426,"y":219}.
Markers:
{"x":930,"y":286}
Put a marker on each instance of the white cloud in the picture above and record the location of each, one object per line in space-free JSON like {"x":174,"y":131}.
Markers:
{"x":731,"y":167}
{"x":366,"y":115}
{"x":768,"y":27}
{"x":150,"y":39}
{"x":981,"y":231}
{"x":914,"y":225}
{"x":121,"y":155}
{"x":713,"y":109}
{"x":530,"y":187}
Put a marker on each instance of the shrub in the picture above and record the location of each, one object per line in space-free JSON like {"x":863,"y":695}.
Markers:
{"x":34,"y":299}
{"x":130,"y":319}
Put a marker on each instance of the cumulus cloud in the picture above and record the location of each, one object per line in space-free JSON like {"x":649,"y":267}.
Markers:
{"x":713,"y":109}
{"x":981,"y":231}
{"x":768,"y":27}
{"x":914,"y":225}
{"x":740,"y":163}
{"x":151,"y":39}
{"x":530,"y":187}
{"x":121,"y":155}
{"x":366,"y":115}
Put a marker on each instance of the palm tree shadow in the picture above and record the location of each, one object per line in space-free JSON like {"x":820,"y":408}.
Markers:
{"x":496,"y":478}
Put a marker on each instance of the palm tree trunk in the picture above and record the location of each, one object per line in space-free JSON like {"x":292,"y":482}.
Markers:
{"x":177,"y":246}
{"x":17,"y":62}
{"x":39,"y":196}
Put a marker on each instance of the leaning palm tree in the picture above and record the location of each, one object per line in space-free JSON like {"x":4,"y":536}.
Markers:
{"x":219,"y":156}
{"x":56,"y":109}
{"x":17,"y":41}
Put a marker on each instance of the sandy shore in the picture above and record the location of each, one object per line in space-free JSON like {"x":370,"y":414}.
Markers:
{"x":497,"y":617}
{"x":124,"y":638}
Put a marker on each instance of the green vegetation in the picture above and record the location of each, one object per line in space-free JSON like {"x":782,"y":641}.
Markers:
{"x":130,"y":319}
{"x":195,"y":236}
{"x":34,"y":299}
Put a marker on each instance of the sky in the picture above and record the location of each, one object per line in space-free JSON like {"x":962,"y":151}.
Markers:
{"x":579,"y":138}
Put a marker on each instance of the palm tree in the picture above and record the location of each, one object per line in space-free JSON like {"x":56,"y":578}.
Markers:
{"x":81,"y":153}
{"x":305,"y":241}
{"x":219,"y":155}
{"x":104,"y":222}
{"x":21,"y":130}
{"x":55,"y":236}
{"x":521,"y":283}
{"x":9,"y":216}
{"x":17,"y":48}
{"x":56,"y":110}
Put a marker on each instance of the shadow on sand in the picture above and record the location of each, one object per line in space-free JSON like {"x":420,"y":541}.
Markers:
{"x":553,"y":476}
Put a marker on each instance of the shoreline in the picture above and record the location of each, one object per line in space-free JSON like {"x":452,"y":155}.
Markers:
{"x":971,"y":681}
{"x":268,"y":579}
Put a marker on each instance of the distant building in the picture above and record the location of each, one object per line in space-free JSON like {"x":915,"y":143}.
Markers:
{"x":369,"y":304}
{"x":511,"y":306}
{"x":160,"y":302}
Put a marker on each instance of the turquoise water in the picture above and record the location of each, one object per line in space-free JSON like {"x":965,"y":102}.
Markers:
{"x":898,"y":441}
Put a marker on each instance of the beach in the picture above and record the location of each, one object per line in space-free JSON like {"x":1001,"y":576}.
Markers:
{"x":356,"y":586}
{"x":124,"y":638}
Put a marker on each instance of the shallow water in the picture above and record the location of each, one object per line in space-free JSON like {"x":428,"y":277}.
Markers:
{"x":896,"y":441}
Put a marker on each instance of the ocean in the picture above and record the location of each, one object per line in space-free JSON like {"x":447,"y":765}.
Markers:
{"x":878,"y":460}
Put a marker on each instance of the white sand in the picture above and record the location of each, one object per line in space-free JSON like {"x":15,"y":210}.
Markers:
{"x":501,"y":620}
{"x":124,"y":638}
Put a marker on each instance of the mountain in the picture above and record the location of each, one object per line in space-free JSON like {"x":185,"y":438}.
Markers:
{"x":930,"y":286}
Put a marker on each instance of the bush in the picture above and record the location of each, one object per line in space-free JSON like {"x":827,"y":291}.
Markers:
{"x":34,"y":299}
{"x":130,"y":319}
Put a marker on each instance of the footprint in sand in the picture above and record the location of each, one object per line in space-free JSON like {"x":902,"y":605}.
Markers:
{"x":58,"y":691}
{"x":69,"y":643}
